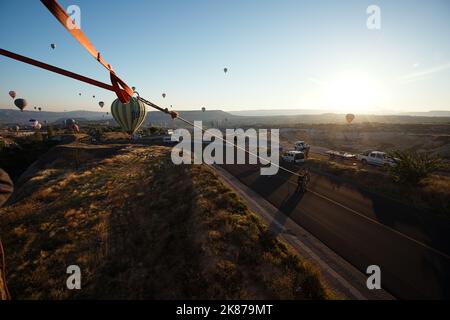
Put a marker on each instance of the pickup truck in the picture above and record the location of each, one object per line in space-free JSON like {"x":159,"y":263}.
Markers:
{"x":294,"y":156}
{"x":376,"y":158}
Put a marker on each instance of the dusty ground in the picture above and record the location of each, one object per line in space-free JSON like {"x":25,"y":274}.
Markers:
{"x":354,"y":139}
{"x":140,"y":227}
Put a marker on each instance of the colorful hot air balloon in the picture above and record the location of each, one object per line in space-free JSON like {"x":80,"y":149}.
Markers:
{"x":164,"y":95}
{"x":350,"y":117}
{"x":12,"y":94}
{"x":75,"y":128}
{"x":21,"y":103}
{"x":101,"y":104}
{"x":69,"y":122}
{"x":130,"y":116}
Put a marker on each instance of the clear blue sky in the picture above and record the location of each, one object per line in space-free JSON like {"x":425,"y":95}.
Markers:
{"x":280,"y":54}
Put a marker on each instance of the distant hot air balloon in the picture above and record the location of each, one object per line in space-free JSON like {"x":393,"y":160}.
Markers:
{"x":350,"y":117}
{"x":12,"y":94}
{"x":130,"y":116}
{"x":79,"y":94}
{"x":203,"y":109}
{"x":164,"y":95}
{"x":40,"y":109}
{"x":35,"y":108}
{"x":133,"y":88}
{"x":69,"y":122}
{"x":75,"y":128}
{"x":93,"y":97}
{"x":225,"y":70}
{"x":21,"y":103}
{"x":101,"y":104}
{"x":53,"y":46}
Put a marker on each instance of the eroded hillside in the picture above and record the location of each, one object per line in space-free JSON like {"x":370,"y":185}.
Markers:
{"x":140,"y":227}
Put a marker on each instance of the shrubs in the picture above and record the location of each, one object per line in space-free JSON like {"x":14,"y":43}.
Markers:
{"x":411,"y":167}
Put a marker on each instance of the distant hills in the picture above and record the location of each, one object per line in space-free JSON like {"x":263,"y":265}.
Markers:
{"x":293,"y":112}
{"x":232,"y":119}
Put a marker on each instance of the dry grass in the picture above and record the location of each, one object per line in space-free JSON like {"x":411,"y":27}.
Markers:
{"x":140,"y":227}
{"x":432,"y":194}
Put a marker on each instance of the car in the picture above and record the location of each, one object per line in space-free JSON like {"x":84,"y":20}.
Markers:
{"x":377,"y":158}
{"x":293,"y":156}
{"x":168,"y":140}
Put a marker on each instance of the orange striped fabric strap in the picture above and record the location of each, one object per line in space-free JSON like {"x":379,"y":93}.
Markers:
{"x":122,"y":90}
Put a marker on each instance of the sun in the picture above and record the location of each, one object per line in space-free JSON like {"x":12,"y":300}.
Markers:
{"x":353,"y":92}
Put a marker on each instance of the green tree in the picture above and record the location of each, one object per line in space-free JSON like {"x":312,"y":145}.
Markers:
{"x":410,"y":166}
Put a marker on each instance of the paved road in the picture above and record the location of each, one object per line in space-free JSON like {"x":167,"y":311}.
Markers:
{"x":412,"y":250}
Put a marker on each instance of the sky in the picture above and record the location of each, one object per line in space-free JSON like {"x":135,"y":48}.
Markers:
{"x":280,"y":54}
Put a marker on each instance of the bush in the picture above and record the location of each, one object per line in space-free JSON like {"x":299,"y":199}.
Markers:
{"x":411,"y":167}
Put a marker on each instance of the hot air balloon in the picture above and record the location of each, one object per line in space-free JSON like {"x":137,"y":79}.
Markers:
{"x":101,"y":104}
{"x":34,"y":108}
{"x":75,"y":128}
{"x":133,"y":88}
{"x":130,"y":116}
{"x":203,"y":109}
{"x":350,"y":117}
{"x":79,"y":94}
{"x":93,"y":97}
{"x":69,"y":122}
{"x":21,"y":103}
{"x":12,"y":94}
{"x":53,"y":46}
{"x":40,"y":109}
{"x":164,"y":95}
{"x":225,"y":70}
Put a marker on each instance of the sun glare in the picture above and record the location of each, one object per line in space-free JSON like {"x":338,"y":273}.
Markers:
{"x":353,"y":92}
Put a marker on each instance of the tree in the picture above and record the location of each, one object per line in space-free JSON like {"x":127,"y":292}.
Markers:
{"x":410,"y":166}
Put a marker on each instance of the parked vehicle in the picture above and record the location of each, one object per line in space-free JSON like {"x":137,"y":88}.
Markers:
{"x":376,"y":158}
{"x":341,"y":155}
{"x":294,"y":156}
{"x":168,"y":139}
{"x":303,"y":147}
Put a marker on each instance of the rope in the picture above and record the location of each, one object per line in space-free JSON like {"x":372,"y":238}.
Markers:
{"x":3,"y":270}
{"x":176,"y":115}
